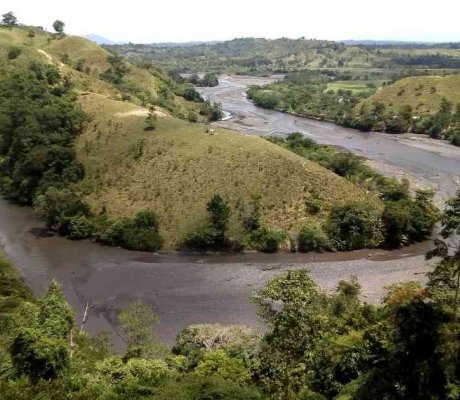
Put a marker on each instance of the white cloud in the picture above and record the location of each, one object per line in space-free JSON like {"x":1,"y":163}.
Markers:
{"x":178,"y":20}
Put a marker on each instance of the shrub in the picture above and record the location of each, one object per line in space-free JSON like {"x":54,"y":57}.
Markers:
{"x":314,"y":205}
{"x":396,"y":221}
{"x":313,"y":238}
{"x":212,"y":236}
{"x":266,"y":240}
{"x":140,"y":233}
{"x":194,"y":387}
{"x":396,"y":125}
{"x":191,"y":94}
{"x":13,"y":52}
{"x":209,"y":80}
{"x":80,"y":227}
{"x":345,"y":164}
{"x":237,"y":341}
{"x":454,"y":138}
{"x":355,"y":226}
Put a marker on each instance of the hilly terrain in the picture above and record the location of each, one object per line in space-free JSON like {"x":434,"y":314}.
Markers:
{"x":176,"y":167}
{"x":265,"y":56}
{"x":422,"y":93}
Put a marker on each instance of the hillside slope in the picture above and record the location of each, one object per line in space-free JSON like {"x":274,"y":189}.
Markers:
{"x":178,"y":167}
{"x":422,"y":93}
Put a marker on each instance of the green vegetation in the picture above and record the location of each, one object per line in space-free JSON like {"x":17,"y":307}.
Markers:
{"x":308,"y":93}
{"x":39,"y":124}
{"x":403,"y":220}
{"x":424,"y":104}
{"x":58,"y":26}
{"x":208,"y":80}
{"x":9,"y":19}
{"x":316,"y":345}
{"x":264,"y":56}
{"x":106,"y":143}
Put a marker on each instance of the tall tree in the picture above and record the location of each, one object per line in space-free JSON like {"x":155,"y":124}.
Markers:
{"x":9,"y":19}
{"x":137,"y":322}
{"x":58,"y":26}
{"x":444,"y":280}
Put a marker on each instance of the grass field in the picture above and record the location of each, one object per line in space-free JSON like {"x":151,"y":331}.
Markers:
{"x":422,"y":93}
{"x":175,"y":169}
{"x":354,"y":85}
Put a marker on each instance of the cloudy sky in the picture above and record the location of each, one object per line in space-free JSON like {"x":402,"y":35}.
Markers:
{"x":202,"y":20}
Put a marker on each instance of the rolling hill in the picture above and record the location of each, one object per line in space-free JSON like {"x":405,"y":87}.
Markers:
{"x":175,"y":169}
{"x":422,"y":93}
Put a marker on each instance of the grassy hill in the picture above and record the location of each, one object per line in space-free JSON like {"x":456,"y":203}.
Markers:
{"x":178,"y":167}
{"x":422,"y":93}
{"x":175,"y":169}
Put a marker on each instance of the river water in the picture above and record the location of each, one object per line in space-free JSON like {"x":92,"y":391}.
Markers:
{"x":189,"y":289}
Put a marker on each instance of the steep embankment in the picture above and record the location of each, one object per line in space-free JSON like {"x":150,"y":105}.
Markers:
{"x":422,"y":93}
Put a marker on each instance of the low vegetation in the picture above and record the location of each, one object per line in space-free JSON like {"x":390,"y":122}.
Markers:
{"x":404,"y":219}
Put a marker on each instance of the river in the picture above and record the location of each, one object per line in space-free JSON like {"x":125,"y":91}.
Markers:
{"x":186,"y":290}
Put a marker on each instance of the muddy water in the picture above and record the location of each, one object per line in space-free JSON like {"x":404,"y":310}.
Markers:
{"x":197,"y":289}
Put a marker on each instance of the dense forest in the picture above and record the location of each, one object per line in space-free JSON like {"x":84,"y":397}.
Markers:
{"x":316,"y":345}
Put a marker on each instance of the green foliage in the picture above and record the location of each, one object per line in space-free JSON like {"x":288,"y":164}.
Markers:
{"x":191,"y":94}
{"x":404,"y":219}
{"x":313,"y":238}
{"x":57,"y":207}
{"x":409,"y":220}
{"x":141,"y":233}
{"x":216,"y":363}
{"x":355,"y":226}
{"x":209,"y":80}
{"x":116,"y":72}
{"x":40,"y":350}
{"x":39,"y":122}
{"x":14,"y":52}
{"x":266,"y":240}
{"x":137,"y":322}
{"x":55,"y":317}
{"x":58,"y":26}
{"x":9,"y":19}
{"x":212,"y":111}
{"x":39,"y":356}
{"x":192,"y":117}
{"x":306,"y":93}
{"x":212,"y":236}
{"x":212,"y":388}
{"x":236,"y":340}
{"x":151,"y":120}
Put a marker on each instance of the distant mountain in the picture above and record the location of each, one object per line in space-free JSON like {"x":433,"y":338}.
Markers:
{"x":98,"y":39}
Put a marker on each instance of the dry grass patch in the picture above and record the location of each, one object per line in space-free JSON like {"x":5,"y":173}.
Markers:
{"x":175,"y":169}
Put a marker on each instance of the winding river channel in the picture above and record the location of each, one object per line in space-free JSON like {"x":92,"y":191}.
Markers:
{"x":196,"y":289}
